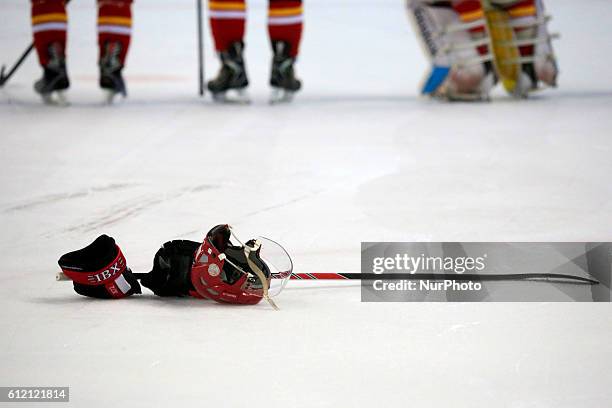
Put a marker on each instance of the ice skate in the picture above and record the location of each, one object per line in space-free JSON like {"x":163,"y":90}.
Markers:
{"x":51,"y":87}
{"x":282,"y":78}
{"x":111,"y":80}
{"x":231,"y":82}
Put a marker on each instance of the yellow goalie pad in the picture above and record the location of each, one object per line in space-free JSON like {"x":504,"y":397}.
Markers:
{"x":506,"y":56}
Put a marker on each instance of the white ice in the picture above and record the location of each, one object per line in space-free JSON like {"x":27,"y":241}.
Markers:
{"x":358,"y":156}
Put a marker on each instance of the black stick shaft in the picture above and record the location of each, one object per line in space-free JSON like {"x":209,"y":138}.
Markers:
{"x":440,"y":276}
{"x":200,"y":49}
{"x":467,"y":276}
{"x":5,"y":78}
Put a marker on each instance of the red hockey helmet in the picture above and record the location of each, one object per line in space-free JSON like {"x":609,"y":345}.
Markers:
{"x":242,"y":274}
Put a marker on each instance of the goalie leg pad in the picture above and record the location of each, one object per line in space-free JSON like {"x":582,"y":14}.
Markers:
{"x":528,"y":52}
{"x":100,"y":270}
{"x":454,"y":38}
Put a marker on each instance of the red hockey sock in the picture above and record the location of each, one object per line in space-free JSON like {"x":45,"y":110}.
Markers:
{"x":285,"y":22}
{"x":49,"y":24}
{"x":227,"y":19}
{"x":471,"y":10}
{"x":115,"y":25}
{"x":525,"y":12}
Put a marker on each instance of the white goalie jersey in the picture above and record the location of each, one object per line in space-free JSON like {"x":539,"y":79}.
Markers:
{"x":474,"y":44}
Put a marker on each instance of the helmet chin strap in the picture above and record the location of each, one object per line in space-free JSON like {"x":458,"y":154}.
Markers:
{"x":262,"y":276}
{"x":265,"y":283}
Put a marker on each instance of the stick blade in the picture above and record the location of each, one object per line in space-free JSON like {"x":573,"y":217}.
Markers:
{"x":2,"y":78}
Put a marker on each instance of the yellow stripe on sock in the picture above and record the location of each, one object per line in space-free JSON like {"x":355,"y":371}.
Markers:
{"x":122,"y":21}
{"x":471,"y":15}
{"x":522,"y":11}
{"x":226,"y":6}
{"x":295,"y":11}
{"x":46,"y":18}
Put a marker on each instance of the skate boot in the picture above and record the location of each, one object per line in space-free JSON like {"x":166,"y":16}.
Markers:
{"x":282,"y":78}
{"x":231,"y":81}
{"x":111,"y":79}
{"x":55,"y":81}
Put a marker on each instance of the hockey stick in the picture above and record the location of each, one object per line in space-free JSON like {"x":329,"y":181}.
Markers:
{"x":5,"y":78}
{"x":415,"y":276}
{"x":437,"y":276}
{"x":200,"y":49}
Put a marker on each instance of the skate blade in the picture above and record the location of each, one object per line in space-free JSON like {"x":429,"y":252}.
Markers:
{"x":55,"y":98}
{"x":112,"y":97}
{"x":280,"y":95}
{"x":233,"y":96}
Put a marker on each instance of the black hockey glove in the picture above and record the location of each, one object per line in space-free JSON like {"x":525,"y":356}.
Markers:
{"x":100,"y":270}
{"x":171,"y":274}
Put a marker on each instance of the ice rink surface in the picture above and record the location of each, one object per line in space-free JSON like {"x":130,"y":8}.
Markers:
{"x":357,"y":157}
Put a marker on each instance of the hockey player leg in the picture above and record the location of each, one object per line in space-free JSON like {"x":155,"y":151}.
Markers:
{"x":49,"y":24}
{"x":227,"y":21}
{"x":285,"y":22}
{"x":523,"y":55}
{"x":454,"y":38}
{"x":114,"y":34}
